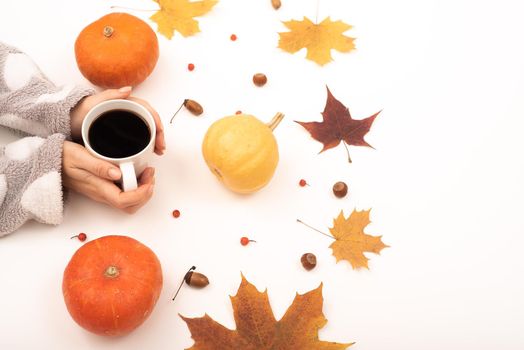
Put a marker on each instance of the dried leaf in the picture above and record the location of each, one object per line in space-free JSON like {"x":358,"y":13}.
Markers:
{"x":337,"y":125}
{"x":257,"y":328}
{"x":178,"y":15}
{"x":318,"y":39}
{"x":351,"y":241}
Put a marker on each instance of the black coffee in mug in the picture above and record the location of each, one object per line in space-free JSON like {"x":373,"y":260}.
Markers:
{"x":119,"y":134}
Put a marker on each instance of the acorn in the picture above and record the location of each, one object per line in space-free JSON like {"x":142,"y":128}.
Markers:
{"x":309,"y":261}
{"x":259,"y":79}
{"x":340,"y":189}
{"x":196,"y":279}
{"x":193,"y":106}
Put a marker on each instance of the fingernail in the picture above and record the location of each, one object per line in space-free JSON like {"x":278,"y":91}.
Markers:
{"x":125,"y":89}
{"x":152,"y":171}
{"x":114,"y":173}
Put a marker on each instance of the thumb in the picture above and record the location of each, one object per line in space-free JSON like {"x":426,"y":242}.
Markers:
{"x":112,"y":94}
{"x":98,"y":167}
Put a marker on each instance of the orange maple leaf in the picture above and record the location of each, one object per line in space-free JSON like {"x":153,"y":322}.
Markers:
{"x":318,"y":39}
{"x":178,"y":15}
{"x":350,"y":240}
{"x":257,"y":328}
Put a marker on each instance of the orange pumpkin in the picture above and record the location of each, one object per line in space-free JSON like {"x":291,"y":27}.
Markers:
{"x":117,"y":50}
{"x":112,"y":284}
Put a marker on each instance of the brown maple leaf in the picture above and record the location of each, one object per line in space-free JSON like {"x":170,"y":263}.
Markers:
{"x":351,"y":241}
{"x":338,"y":126}
{"x":257,"y":328}
{"x":179,"y":15}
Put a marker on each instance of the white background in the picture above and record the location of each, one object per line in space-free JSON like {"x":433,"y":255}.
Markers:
{"x":445,"y":182}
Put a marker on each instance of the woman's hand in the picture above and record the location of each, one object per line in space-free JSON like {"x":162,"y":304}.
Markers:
{"x":79,"y":112}
{"x":93,"y":177}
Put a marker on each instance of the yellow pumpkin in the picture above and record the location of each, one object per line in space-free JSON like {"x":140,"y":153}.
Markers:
{"x":242,"y":151}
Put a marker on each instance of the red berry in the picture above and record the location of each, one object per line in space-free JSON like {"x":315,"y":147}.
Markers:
{"x":245,"y":241}
{"x":176,"y":213}
{"x":302,"y":183}
{"x":238,"y":112}
{"x":191,"y":67}
{"x":81,"y":237}
{"x":233,"y":37}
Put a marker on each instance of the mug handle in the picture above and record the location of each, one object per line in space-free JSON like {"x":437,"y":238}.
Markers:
{"x":129,"y":182}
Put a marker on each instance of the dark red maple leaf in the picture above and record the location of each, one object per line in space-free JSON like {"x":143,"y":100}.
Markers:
{"x":338,"y":126}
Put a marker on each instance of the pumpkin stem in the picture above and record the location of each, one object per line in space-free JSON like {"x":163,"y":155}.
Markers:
{"x":275,"y":121}
{"x":112,"y":272}
{"x":108,"y":31}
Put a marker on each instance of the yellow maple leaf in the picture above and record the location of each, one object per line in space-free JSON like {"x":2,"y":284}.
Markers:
{"x":178,"y":15}
{"x":351,"y":241}
{"x":318,"y":39}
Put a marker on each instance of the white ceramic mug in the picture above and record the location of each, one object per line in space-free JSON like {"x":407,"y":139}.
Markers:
{"x":129,"y":166}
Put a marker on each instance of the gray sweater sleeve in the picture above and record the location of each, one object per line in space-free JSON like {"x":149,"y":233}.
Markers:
{"x":30,"y":168}
{"x":29,"y":102}
{"x":30,"y":182}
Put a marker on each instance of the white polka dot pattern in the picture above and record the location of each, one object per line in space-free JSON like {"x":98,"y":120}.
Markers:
{"x":18,"y":71}
{"x":43,"y":198}
{"x":23,"y":148}
{"x":55,"y":96}
{"x":28,"y":126}
{"x":3,"y":188}
{"x":30,"y":180}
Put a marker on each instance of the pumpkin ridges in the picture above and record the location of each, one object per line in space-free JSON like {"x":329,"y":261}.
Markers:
{"x":94,"y":259}
{"x":76,"y":282}
{"x":140,"y":281}
{"x":115,"y":317}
